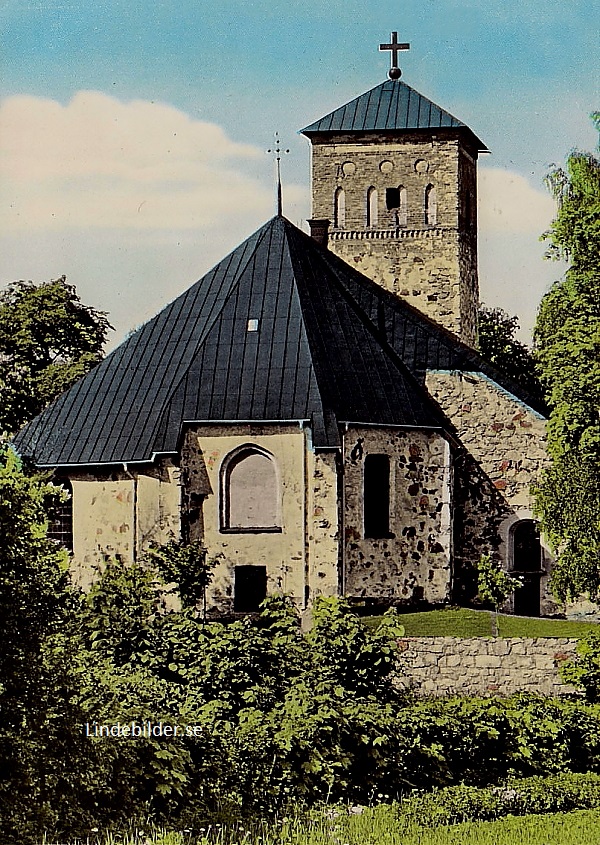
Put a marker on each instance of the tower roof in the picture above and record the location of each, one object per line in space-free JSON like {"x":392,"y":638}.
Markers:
{"x":275,"y":332}
{"x":391,"y":106}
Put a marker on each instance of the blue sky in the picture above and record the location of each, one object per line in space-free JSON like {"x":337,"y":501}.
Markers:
{"x":132,"y":135}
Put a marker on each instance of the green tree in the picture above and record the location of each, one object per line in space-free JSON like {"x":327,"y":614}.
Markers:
{"x":41,"y":745}
{"x":499,"y":346}
{"x":567,"y":347}
{"x":48,"y":340}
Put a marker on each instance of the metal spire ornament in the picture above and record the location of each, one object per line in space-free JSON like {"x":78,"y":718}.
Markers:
{"x":276,"y":151}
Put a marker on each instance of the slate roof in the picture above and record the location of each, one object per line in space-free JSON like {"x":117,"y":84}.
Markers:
{"x":321,"y":354}
{"x":390,"y":106}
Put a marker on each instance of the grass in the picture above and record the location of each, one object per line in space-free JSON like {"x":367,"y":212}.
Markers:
{"x":381,"y":826}
{"x":464,"y":622}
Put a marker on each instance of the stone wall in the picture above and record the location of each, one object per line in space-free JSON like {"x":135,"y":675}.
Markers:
{"x":414,"y":561}
{"x":480,"y":666}
{"x":430,"y":262}
{"x":506,"y":443}
{"x":505,"y":436}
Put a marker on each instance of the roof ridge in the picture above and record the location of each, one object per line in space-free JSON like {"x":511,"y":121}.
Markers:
{"x":378,"y":336}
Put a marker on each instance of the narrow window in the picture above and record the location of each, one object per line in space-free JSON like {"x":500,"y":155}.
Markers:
{"x":392,"y":198}
{"x":395,"y":200}
{"x":339,"y":208}
{"x":430,"y":205}
{"x":249,"y":492}
{"x":60,"y":517}
{"x":249,"y":588}
{"x":377,"y":496}
{"x":372,"y":207}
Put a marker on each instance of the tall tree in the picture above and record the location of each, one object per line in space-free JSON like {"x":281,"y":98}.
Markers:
{"x":567,"y":345}
{"x":48,"y":339}
{"x":499,"y":346}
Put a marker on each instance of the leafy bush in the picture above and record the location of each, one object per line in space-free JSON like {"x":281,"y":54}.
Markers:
{"x":455,"y":804}
{"x":483,"y":741}
{"x":584,"y":670}
{"x":284,"y":719}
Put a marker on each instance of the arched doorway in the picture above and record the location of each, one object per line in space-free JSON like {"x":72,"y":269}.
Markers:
{"x":527,"y":566}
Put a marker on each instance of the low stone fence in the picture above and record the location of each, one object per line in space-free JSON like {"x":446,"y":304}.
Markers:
{"x":479,"y":666}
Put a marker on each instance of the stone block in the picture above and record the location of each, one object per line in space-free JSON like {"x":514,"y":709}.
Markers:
{"x":488,"y":661}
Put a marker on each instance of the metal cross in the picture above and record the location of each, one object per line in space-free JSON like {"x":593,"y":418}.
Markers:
{"x":394,"y":71}
{"x":276,"y":151}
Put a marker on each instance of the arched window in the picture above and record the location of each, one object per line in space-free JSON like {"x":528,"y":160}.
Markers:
{"x":250,"y":499}
{"x":60,"y":516}
{"x":339,"y":208}
{"x":430,"y":205}
{"x":376,"y":496}
{"x":526,"y":556}
{"x":372,"y":207}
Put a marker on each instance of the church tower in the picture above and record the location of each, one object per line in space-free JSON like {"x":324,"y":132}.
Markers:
{"x":396,"y":176}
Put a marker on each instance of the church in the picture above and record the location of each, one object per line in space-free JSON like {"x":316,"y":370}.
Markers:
{"x":314,"y":410}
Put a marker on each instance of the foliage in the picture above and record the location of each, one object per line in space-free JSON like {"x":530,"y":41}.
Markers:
{"x":32,"y":582}
{"x":483,"y":741}
{"x":498,"y":345}
{"x":281,"y":718}
{"x":48,"y":340}
{"x":567,"y":348}
{"x":584,"y":671}
{"x":40,"y":735}
{"x":494,"y":585}
{"x":187,"y":566}
{"x":517,"y":797}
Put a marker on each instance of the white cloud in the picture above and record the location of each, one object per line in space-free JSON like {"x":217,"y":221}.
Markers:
{"x":509,"y":204}
{"x":101,"y":163}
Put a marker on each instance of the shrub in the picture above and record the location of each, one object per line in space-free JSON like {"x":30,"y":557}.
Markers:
{"x":519,"y":797}
{"x":584,"y":670}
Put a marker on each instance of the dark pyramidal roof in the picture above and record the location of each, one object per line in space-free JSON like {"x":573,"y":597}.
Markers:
{"x":317,"y":356}
{"x":332,"y":346}
{"x":390,"y":106}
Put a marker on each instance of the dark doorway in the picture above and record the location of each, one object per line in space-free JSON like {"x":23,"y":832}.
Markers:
{"x":377,"y":496}
{"x":250,"y":588}
{"x":527,"y":565}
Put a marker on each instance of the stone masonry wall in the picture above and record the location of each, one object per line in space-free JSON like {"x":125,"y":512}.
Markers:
{"x":481,"y":666}
{"x":413,"y":561}
{"x":506,"y":438}
{"x":432,"y":263}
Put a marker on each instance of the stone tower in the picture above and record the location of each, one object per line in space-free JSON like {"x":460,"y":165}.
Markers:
{"x":397,"y":177}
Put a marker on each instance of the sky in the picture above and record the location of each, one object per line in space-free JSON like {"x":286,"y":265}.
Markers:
{"x":133,"y":135}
